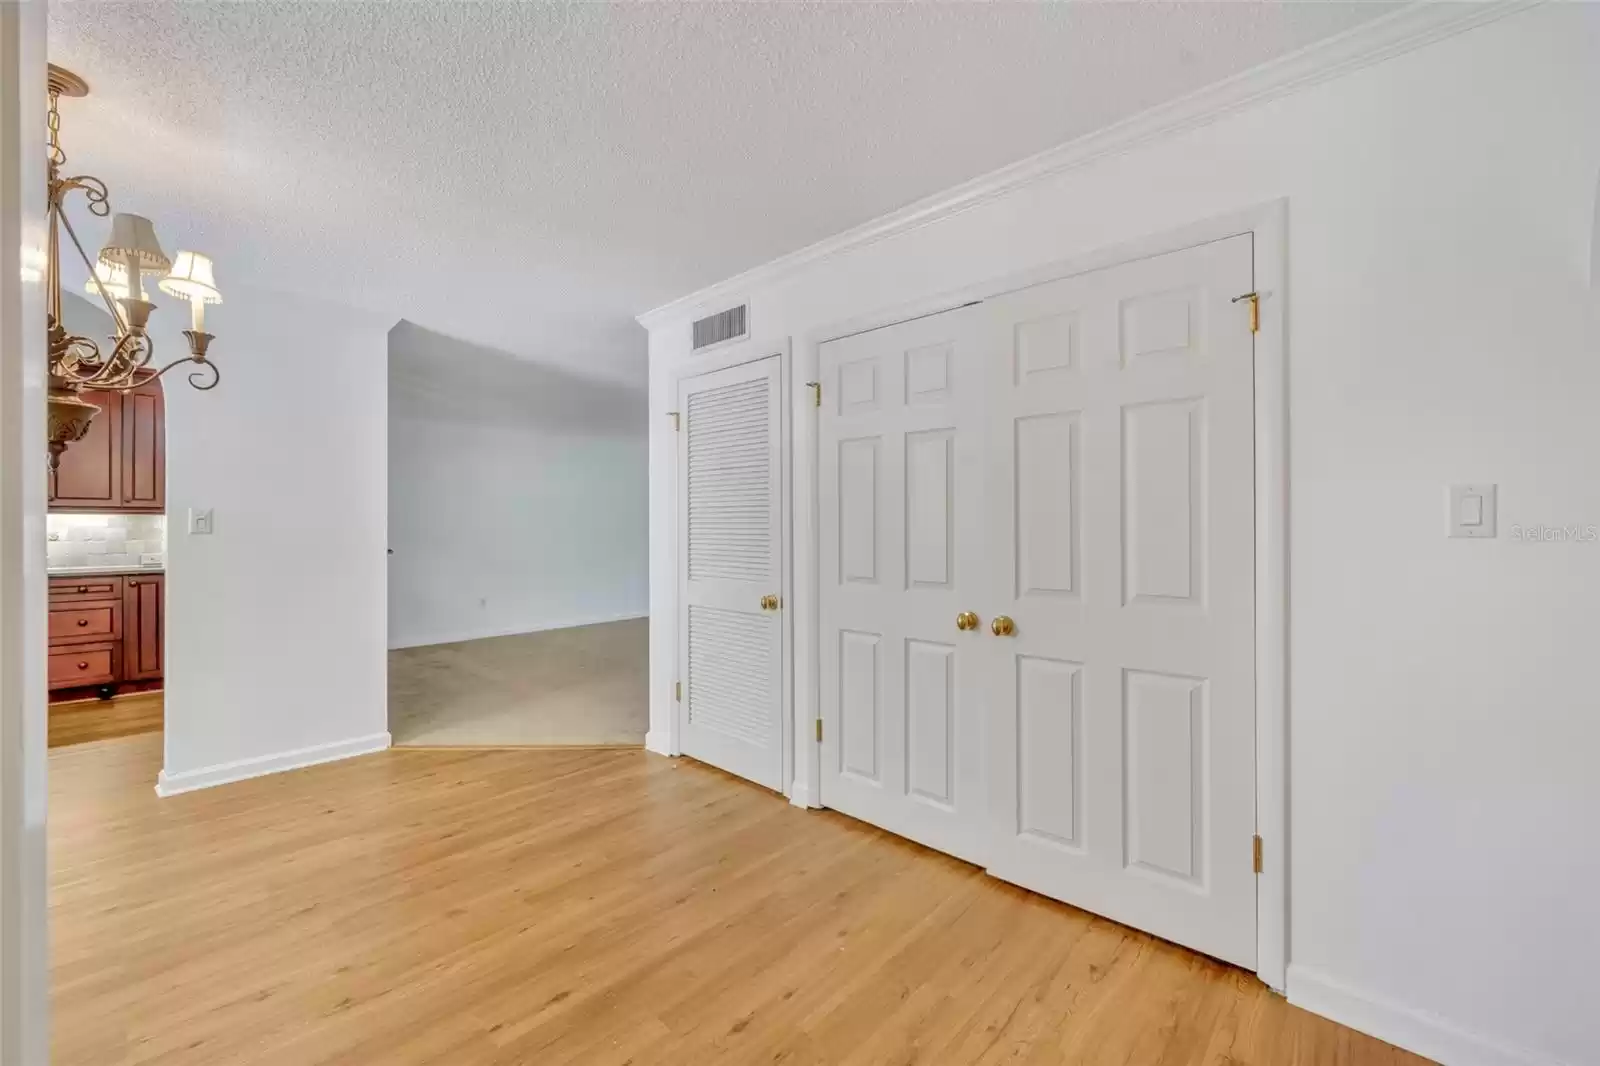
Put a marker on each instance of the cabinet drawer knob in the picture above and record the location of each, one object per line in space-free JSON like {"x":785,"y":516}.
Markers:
{"x":83,"y":621}
{"x":83,"y":588}
{"x":83,"y":666}
{"x":133,"y":584}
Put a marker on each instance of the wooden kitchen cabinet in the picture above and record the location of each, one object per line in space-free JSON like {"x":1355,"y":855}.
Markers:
{"x":121,"y":463}
{"x":88,"y":664}
{"x":106,"y":630}
{"x":90,"y":475}
{"x":143,"y":607}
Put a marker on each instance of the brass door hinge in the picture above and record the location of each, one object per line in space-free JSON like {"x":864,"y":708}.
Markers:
{"x":816,"y":389}
{"x":819,"y":731}
{"x":1255,"y":853}
{"x":1255,"y":309}
{"x":677,"y":691}
{"x":674,"y":416}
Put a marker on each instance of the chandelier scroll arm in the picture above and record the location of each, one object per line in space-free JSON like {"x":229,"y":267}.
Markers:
{"x":95,"y":193}
{"x":110,"y":373}
{"x":197,"y":376}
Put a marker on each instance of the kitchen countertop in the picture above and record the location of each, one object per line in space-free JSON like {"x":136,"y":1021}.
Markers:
{"x":103,"y":571}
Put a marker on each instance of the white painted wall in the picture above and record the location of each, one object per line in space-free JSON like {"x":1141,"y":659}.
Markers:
{"x":275,"y":623}
{"x":517,"y":493}
{"x":1594,"y":243}
{"x":1442,"y":706}
{"x":24,"y":900}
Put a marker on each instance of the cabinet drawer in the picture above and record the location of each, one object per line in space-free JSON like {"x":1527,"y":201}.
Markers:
{"x":90,"y":664}
{"x":85,"y":623}
{"x":77,"y":589}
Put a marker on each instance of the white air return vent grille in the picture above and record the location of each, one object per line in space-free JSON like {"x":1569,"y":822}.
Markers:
{"x":730,"y":325}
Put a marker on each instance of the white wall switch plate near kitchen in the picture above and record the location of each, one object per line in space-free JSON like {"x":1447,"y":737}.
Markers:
{"x":200,"y":520}
{"x":1472,"y":511}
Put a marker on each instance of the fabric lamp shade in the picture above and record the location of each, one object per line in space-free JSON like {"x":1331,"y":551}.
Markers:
{"x":114,"y":278}
{"x":133,"y":241}
{"x":192,"y":278}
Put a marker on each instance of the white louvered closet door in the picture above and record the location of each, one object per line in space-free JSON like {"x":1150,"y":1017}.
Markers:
{"x":730,"y":558}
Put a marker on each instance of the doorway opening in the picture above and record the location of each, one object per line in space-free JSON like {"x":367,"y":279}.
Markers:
{"x":518,"y":543}
{"x":106,"y":553}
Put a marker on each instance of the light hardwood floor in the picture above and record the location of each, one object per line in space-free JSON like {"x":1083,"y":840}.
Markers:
{"x":574,"y":686}
{"x":81,"y":721}
{"x":593,"y":907}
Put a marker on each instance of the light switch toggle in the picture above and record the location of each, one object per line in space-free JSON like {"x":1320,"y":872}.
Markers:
{"x":1472,"y":511}
{"x":200,"y":520}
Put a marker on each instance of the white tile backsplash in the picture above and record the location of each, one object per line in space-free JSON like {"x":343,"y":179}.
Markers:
{"x":77,"y":540}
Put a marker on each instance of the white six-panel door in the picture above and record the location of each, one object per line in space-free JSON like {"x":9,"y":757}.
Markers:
{"x":901,"y":555}
{"x":1121,"y":745}
{"x":730,"y":558}
{"x":1076,"y":457}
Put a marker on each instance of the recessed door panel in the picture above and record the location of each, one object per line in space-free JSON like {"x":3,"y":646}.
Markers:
{"x":930,"y":721}
{"x":1164,"y":772}
{"x":1046,"y":454}
{"x":858,"y":509}
{"x":1163,"y":493}
{"x":860,"y":701}
{"x":930,"y":517}
{"x":1049,"y":750}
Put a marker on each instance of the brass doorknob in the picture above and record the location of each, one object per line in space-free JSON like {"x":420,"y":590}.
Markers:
{"x":769,"y":603}
{"x":1002,"y":626}
{"x":966,"y":620}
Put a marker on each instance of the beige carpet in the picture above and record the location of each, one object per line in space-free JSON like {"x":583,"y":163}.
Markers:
{"x":584,"y":685}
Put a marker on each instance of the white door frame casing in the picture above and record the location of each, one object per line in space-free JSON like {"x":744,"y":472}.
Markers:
{"x":1269,"y":225}
{"x":722,"y":358}
{"x":24,"y":888}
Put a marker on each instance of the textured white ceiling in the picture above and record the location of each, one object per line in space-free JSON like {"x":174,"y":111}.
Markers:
{"x":530,"y":176}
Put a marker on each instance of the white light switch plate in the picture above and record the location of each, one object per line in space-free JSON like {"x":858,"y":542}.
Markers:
{"x":200,"y":520}
{"x":1471,"y":511}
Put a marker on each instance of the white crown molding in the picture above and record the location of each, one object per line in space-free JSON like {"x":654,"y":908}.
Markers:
{"x":1412,"y":27}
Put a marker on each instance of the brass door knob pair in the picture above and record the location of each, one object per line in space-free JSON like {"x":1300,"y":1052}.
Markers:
{"x":1002,"y":626}
{"x":769,"y":603}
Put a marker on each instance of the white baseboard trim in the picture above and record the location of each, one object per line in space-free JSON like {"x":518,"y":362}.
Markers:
{"x":243,"y":769}
{"x":658,"y":741}
{"x":510,"y":631}
{"x":800,"y":795}
{"x":1405,"y":1027}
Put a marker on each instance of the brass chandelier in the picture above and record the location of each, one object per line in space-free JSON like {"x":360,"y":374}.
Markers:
{"x":76,"y":363}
